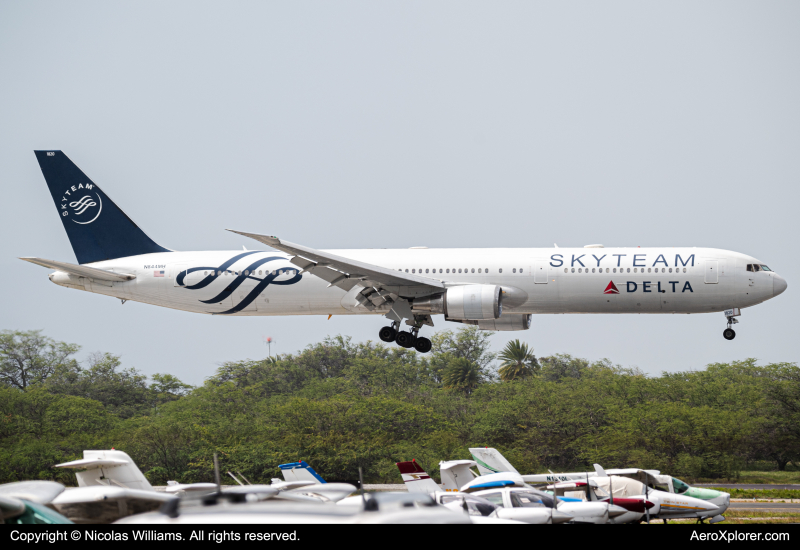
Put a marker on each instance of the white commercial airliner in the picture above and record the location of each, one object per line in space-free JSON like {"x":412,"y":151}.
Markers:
{"x":495,"y":288}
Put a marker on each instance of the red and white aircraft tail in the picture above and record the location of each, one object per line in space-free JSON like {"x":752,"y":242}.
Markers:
{"x":416,"y":479}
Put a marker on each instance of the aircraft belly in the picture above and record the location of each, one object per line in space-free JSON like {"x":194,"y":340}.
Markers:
{"x":284,"y":300}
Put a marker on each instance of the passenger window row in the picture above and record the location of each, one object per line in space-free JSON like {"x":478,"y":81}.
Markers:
{"x":468,"y":270}
{"x":247,"y":272}
{"x":623,"y":270}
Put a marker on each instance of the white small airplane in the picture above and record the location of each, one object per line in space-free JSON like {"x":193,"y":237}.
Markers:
{"x":490,"y":460}
{"x":495,"y":289}
{"x":417,"y":480}
{"x":110,"y":487}
{"x":660,"y":504}
{"x":509,"y":490}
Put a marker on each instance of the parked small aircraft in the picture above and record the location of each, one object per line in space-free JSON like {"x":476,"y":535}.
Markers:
{"x":491,"y":460}
{"x":26,"y":503}
{"x":529,"y":506}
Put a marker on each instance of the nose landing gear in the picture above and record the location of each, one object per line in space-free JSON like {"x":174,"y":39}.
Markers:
{"x":730,"y":315}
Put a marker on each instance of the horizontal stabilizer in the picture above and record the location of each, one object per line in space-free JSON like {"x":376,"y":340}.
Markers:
{"x":90,"y":463}
{"x":81,"y":270}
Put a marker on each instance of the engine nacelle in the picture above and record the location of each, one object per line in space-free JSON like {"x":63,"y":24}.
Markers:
{"x":466,"y":302}
{"x":509,"y":321}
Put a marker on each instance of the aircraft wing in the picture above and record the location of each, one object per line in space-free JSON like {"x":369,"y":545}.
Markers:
{"x":381,"y":285}
{"x":81,"y":270}
{"x":103,"y":504}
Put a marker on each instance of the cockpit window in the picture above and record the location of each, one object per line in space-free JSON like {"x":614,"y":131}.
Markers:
{"x":765,"y":268}
{"x":531,"y":499}
{"x":756,"y":267}
{"x":494,"y":498}
{"x":526,"y":500}
{"x":679,"y":486}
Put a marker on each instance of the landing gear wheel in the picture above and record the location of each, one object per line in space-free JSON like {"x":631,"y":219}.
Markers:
{"x":729,"y":334}
{"x":387,"y":334}
{"x":405,"y":339}
{"x":423,"y":345}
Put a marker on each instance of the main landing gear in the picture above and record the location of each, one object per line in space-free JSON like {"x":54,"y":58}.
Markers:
{"x":405,"y":339}
{"x":730,"y":315}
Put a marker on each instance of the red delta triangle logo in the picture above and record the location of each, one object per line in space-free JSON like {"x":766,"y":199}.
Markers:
{"x":611,"y":288}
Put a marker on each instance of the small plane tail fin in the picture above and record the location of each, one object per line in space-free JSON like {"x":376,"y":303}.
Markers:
{"x":416,"y":479}
{"x":109,"y":468}
{"x":491,"y":461}
{"x":600,"y":471}
{"x":300,"y":471}
{"x":456,"y":473}
{"x":97,"y":228}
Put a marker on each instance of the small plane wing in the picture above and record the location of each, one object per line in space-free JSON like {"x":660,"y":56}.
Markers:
{"x":103,"y":504}
{"x":81,"y":270}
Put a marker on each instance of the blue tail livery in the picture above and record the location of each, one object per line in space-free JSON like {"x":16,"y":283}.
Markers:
{"x":97,"y":228}
{"x":300,"y":471}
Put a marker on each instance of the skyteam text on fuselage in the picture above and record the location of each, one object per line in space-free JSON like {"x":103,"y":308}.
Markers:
{"x":495,"y":288}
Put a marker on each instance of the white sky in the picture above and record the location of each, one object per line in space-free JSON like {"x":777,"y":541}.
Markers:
{"x":382,"y":125}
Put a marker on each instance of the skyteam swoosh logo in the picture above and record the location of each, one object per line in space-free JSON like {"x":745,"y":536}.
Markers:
{"x":261,"y":285}
{"x":85,"y":209}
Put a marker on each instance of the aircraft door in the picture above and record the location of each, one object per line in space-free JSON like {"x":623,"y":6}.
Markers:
{"x":540,"y":271}
{"x":711,"y":272}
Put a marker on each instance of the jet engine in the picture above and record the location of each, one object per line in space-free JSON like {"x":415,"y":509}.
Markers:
{"x":509,"y":321}
{"x":465,"y":302}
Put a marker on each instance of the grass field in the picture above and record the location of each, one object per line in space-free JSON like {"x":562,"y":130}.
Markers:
{"x":767,"y":516}
{"x":748,"y":517}
{"x":787,"y":477}
{"x":758,"y":493}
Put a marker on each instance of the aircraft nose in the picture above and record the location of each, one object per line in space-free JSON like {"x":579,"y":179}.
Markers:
{"x":778,"y":284}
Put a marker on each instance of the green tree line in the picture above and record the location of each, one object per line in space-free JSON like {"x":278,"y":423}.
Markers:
{"x":341,"y":405}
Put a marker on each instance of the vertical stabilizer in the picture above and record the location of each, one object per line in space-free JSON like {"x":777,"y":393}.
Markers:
{"x":490,"y":461}
{"x":108,"y":468}
{"x":416,"y":479}
{"x":456,"y":473}
{"x":97,"y":228}
{"x":300,"y":471}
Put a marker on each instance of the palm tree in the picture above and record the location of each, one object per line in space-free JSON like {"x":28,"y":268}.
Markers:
{"x":518,"y":362}
{"x":461,"y":374}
